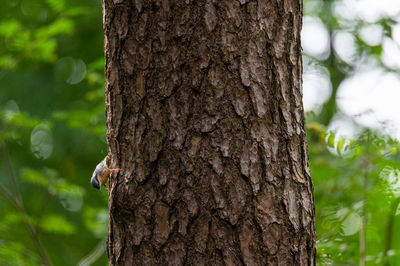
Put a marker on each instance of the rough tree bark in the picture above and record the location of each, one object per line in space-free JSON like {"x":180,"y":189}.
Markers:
{"x":205,"y":120}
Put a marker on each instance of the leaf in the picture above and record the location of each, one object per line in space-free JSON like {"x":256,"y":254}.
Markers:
{"x":56,"y":5}
{"x":11,"y":114}
{"x":96,"y":221}
{"x":34,"y":177}
{"x":7,"y":61}
{"x":376,"y":50}
{"x":62,"y":26}
{"x":54,"y":223}
{"x":97,"y":64}
{"x":340,"y":145}
{"x":317,"y":127}
{"x":21,"y":40}
{"x":331,"y":140}
{"x":63,"y":187}
{"x":76,"y":11}
{"x":14,"y":253}
{"x":45,"y":51}
{"x":10,"y":27}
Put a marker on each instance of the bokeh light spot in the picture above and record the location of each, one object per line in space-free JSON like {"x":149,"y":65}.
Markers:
{"x":41,"y":142}
{"x":70,"y":70}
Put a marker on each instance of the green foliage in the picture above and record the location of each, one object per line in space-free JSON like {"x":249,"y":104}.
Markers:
{"x":9,"y":27}
{"x":356,"y":179}
{"x":56,"y":5}
{"x":15,"y":253}
{"x":57,"y":224}
{"x":52,"y":132}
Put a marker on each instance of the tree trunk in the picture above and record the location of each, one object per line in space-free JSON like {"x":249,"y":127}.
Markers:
{"x":205,"y":120}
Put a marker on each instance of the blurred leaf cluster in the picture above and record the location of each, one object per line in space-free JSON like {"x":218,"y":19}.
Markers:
{"x":357,"y":193}
{"x":52,"y":133}
{"x":356,"y":177}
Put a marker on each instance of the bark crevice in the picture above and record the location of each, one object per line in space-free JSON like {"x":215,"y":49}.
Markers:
{"x":205,"y":120}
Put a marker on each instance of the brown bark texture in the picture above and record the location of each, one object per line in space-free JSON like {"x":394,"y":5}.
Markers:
{"x":205,"y":120}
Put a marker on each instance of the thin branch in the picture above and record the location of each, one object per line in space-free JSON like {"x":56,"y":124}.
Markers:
{"x":11,"y":175}
{"x":389,"y":231}
{"x":8,"y":196}
{"x":17,"y":202}
{"x":31,"y":229}
{"x":42,"y":251}
{"x":93,"y":256}
{"x":364,"y":217}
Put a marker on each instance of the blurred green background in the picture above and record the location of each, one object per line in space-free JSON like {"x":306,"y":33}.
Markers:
{"x":52,"y":135}
{"x":52,"y":132}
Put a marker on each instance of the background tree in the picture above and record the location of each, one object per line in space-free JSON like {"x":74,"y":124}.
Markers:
{"x":205,"y":120}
